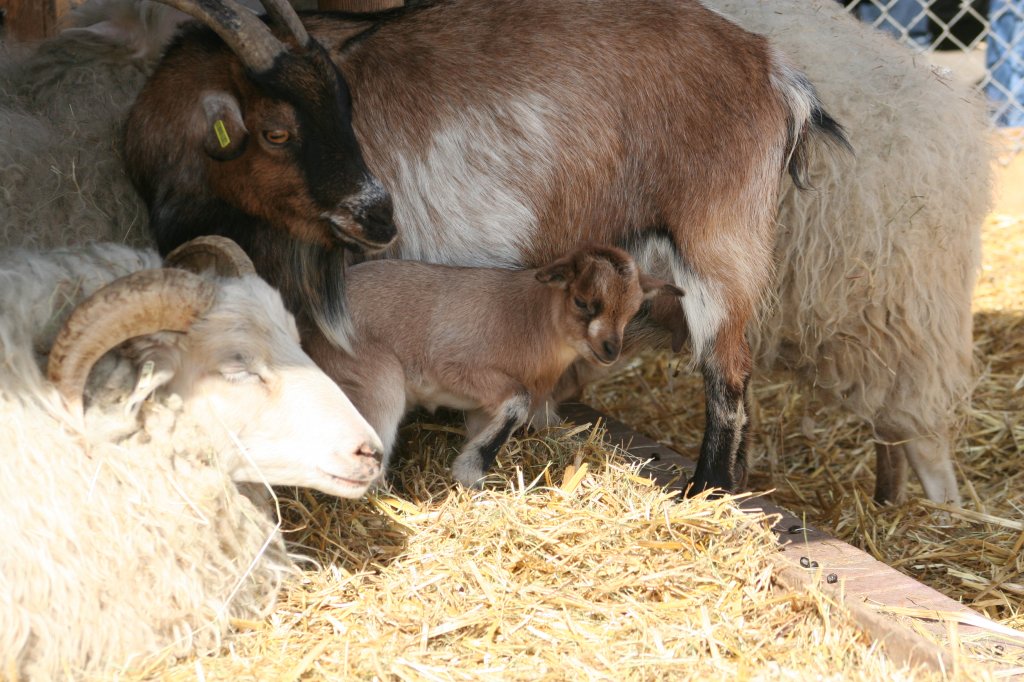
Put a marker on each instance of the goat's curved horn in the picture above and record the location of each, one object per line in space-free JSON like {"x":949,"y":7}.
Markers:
{"x":244,"y":32}
{"x":214,"y":252}
{"x":283,"y":14}
{"x":141,"y":303}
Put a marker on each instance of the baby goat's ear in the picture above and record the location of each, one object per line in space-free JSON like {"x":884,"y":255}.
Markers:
{"x":652,"y":286}
{"x":558,"y":273}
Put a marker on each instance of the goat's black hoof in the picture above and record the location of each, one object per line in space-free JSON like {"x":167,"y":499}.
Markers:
{"x":697,"y":486}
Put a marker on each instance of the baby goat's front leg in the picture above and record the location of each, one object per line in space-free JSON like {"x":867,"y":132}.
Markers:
{"x":489,"y":428}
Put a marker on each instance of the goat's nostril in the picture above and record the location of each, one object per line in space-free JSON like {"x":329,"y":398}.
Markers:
{"x":370,"y":452}
{"x":377,"y":224}
{"x":610,"y":349}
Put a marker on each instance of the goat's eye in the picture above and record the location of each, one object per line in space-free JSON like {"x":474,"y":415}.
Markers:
{"x":580,"y":303}
{"x":276,"y":137}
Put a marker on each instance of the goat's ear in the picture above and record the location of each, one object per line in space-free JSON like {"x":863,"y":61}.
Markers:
{"x":225,"y":134}
{"x":668,"y":314}
{"x":557,"y":274}
{"x":652,"y":287}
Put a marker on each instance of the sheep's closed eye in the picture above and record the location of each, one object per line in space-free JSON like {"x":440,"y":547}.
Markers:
{"x":238,"y":370}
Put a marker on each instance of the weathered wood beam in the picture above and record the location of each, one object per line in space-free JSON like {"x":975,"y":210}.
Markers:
{"x":32,"y":19}
{"x":358,"y":5}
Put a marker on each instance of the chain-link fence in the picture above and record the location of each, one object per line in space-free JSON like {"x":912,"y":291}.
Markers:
{"x":982,"y":40}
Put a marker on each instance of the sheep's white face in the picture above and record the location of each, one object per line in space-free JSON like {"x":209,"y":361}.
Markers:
{"x":243,"y":374}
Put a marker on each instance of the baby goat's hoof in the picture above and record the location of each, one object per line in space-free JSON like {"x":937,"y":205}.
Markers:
{"x":468,"y":470}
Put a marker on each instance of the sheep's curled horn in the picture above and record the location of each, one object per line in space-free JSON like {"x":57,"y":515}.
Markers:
{"x":138,"y":304}
{"x":246,"y":35}
{"x":212,"y":252}
{"x":141,"y":303}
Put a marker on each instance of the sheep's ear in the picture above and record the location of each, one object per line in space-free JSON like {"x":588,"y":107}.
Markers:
{"x":109,"y":31}
{"x":225,"y":135}
{"x":143,"y":30}
{"x":557,"y":274}
{"x":652,"y":287}
{"x":156,"y":357}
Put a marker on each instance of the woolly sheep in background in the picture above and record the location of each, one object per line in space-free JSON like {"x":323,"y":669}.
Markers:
{"x":877,"y":265}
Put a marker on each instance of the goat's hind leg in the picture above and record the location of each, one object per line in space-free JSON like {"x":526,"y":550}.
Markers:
{"x":715,"y":322}
{"x":714,"y":314}
{"x":726,"y":371}
{"x":489,"y":429}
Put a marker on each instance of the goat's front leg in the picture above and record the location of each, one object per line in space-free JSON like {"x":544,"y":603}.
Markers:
{"x":489,"y":428}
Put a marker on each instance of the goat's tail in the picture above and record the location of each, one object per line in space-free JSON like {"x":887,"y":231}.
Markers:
{"x":807,"y":119}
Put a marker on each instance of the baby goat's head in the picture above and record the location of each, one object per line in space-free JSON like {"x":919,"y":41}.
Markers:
{"x":603,"y":291}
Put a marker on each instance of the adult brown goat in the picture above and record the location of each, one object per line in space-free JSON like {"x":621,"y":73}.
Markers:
{"x":508,"y":133}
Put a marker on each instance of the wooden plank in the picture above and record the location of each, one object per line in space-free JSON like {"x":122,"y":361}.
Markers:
{"x":358,"y":5}
{"x":26,"y":20}
{"x":870,"y":589}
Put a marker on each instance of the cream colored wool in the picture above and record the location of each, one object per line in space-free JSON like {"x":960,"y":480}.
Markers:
{"x":122,"y":541}
{"x":878,"y":263}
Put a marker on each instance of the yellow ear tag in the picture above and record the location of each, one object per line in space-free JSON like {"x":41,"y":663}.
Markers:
{"x":222,"y":133}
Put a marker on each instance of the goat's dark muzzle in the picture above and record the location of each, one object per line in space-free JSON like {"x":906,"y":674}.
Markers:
{"x":365,"y":221}
{"x":378,"y":224}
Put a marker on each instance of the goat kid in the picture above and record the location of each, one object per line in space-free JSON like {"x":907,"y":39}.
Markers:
{"x":489,"y":341}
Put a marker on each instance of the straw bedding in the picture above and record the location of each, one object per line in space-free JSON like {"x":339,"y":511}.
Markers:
{"x":572,"y":565}
{"x":583,"y":569}
{"x":821,"y":463}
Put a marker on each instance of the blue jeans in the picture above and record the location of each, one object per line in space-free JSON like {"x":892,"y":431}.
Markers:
{"x":902,"y":15}
{"x":1005,"y":61}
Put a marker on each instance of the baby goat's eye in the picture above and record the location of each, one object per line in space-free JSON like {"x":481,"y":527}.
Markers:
{"x":580,"y":303}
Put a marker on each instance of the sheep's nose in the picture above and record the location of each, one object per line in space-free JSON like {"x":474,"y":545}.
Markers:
{"x":370,"y":451}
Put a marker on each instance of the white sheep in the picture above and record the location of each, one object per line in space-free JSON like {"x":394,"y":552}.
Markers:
{"x":490,"y":341}
{"x":125,"y":534}
{"x":877,"y":266}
